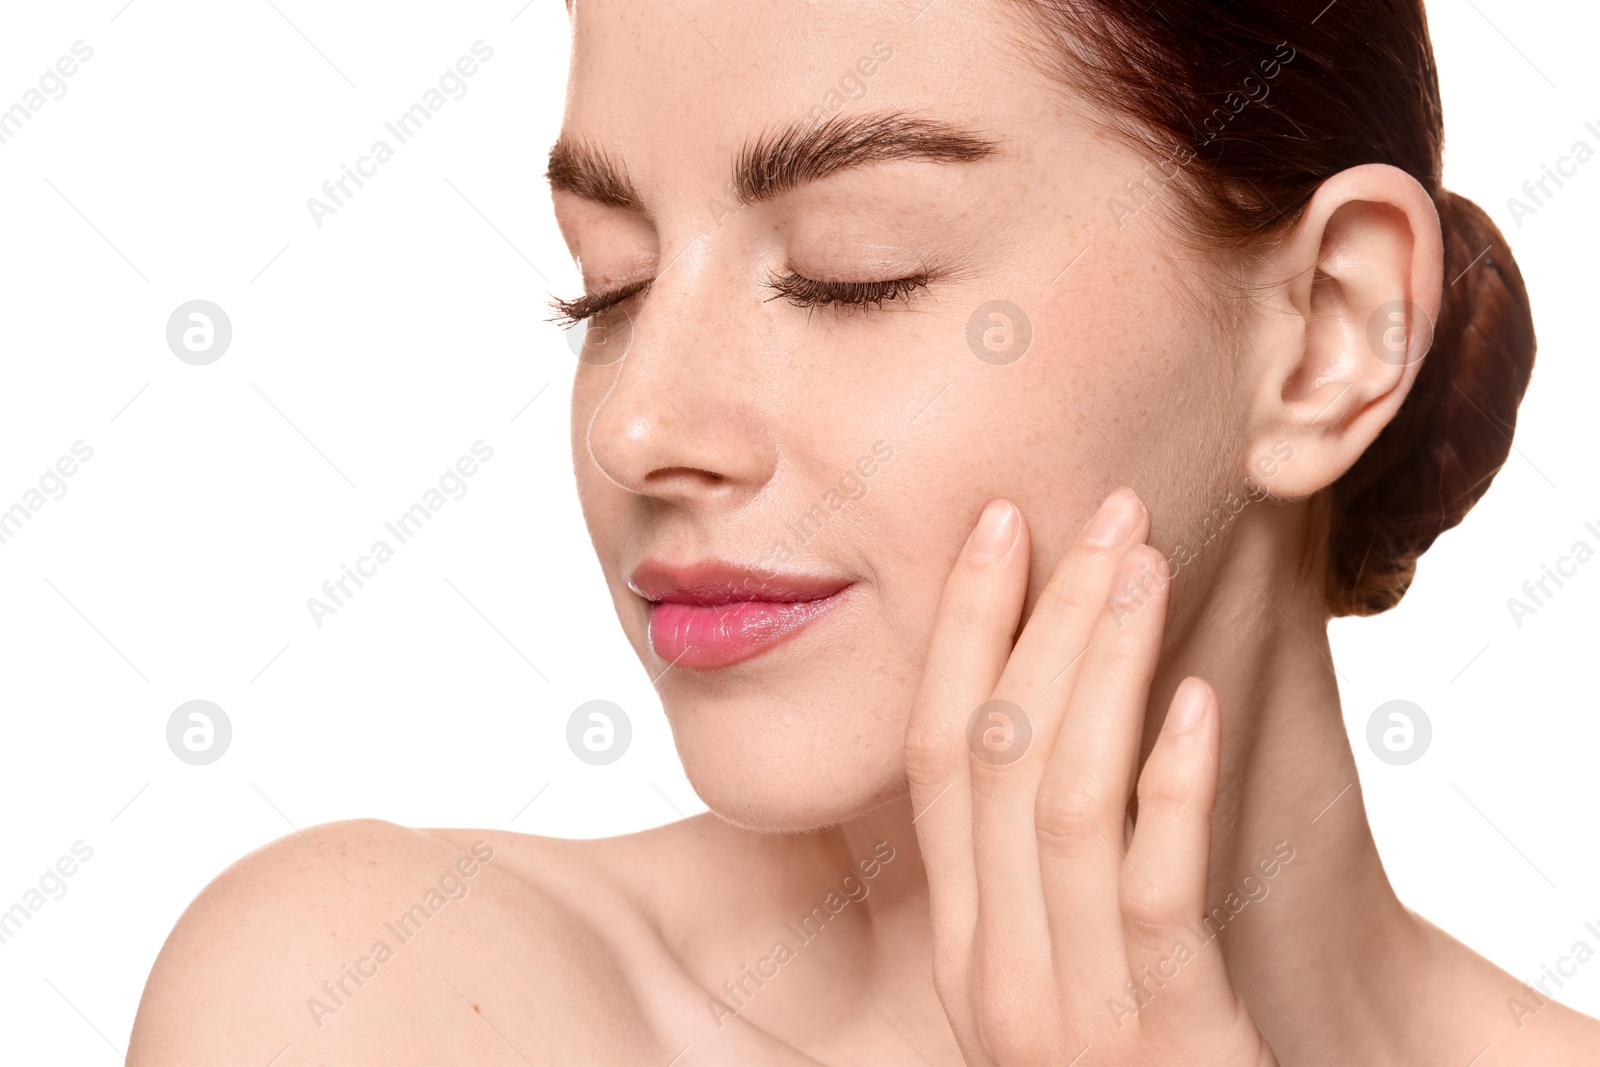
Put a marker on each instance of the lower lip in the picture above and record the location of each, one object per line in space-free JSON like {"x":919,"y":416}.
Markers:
{"x":708,"y":636}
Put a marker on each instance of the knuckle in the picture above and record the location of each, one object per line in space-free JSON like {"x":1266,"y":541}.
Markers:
{"x":934,"y":752}
{"x":1146,"y":585}
{"x":995,"y":1021}
{"x":1151,"y":912}
{"x":996,"y":784}
{"x":1074,"y":590}
{"x":1118,"y":659}
{"x":951,"y":983}
{"x":1061,"y":819}
{"x":1007,"y":1033}
{"x":1168,"y":802}
{"x":949,"y":971}
{"x":1157,"y":789}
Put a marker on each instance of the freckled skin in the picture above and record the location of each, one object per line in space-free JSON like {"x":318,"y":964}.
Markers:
{"x":732,"y":415}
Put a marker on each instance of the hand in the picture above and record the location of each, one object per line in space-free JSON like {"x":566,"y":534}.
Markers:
{"x":1056,"y":940}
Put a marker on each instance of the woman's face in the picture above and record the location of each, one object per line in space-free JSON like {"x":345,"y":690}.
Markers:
{"x":1060,"y":347}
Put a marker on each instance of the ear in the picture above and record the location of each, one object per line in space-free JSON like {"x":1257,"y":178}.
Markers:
{"x":1355,"y":290}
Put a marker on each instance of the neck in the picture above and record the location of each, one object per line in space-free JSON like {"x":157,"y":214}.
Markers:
{"x":1317,"y":944}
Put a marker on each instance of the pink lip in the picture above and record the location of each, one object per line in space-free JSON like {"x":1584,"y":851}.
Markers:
{"x":714,"y":614}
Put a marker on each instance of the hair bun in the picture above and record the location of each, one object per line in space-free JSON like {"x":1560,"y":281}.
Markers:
{"x":1453,"y":432}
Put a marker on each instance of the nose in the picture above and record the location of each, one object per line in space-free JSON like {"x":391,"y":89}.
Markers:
{"x":683,"y":419}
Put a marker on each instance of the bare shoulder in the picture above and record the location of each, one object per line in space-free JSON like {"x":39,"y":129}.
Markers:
{"x":1499,"y":1018}
{"x":367,"y":942}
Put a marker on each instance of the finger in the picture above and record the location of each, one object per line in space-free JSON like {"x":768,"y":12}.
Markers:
{"x":1032,"y":695}
{"x":978,"y":613}
{"x":1081,"y":815}
{"x":1183,"y":976}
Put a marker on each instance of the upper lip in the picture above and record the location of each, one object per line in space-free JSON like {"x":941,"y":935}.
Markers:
{"x":718,"y":582}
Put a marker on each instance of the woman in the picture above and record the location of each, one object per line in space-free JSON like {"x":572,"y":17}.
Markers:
{"x":985,"y":407}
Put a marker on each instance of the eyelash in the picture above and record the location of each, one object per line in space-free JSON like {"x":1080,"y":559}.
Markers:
{"x":809,"y":293}
{"x":572,"y":312}
{"x":796,"y":288}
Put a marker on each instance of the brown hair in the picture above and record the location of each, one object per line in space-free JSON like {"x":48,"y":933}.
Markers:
{"x":1250,"y":105}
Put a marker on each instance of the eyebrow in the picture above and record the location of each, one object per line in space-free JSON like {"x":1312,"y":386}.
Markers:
{"x":784,"y":158}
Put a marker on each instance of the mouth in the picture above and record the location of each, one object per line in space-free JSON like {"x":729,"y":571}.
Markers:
{"x":713,"y":614}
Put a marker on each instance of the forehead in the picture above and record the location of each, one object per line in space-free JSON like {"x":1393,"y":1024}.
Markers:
{"x":744,"y":36}
{"x":681,"y":87}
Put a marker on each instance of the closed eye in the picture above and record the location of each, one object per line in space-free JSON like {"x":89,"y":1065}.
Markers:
{"x":809,"y":292}
{"x":795,"y":288}
{"x":572,"y":312}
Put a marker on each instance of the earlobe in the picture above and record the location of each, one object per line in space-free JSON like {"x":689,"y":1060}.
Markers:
{"x":1358,"y":289}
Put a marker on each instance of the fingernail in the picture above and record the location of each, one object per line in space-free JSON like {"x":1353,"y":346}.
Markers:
{"x":1114,"y":522}
{"x":995,"y":533}
{"x":1188,"y":710}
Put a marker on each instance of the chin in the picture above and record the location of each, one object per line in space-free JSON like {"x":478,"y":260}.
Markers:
{"x":778,"y":769}
{"x":805,"y":736}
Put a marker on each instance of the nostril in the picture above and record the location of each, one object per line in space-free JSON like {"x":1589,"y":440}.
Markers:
{"x":699,"y":442}
{"x":694,"y":473}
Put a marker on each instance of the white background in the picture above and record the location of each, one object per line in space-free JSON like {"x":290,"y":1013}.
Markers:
{"x":370,"y":353}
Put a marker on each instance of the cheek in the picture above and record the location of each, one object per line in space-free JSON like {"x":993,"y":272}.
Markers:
{"x":1120,"y":386}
